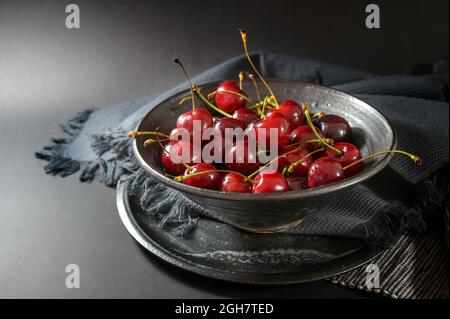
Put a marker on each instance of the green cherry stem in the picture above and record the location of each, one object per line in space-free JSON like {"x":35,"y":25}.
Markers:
{"x":208,"y":103}
{"x":255,"y":85}
{"x":417,"y":160}
{"x":187,"y":98}
{"x":177,"y":61}
{"x":266,"y":100}
{"x":272,"y":161}
{"x":182,"y":178}
{"x":244,"y":41}
{"x":241,"y":79}
{"x":313,"y":129}
{"x":152,"y":141}
{"x":291,"y":167}
{"x":140,"y":133}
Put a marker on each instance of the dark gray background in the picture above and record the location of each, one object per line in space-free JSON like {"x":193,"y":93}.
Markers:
{"x":123,"y":51}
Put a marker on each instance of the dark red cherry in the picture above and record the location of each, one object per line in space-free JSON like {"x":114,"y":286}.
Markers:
{"x":223,"y":123}
{"x":350,"y":153}
{"x":241,"y":158}
{"x":229,"y":102}
{"x":304,"y":133}
{"x":209,"y":180}
{"x":245,"y":115}
{"x":235,"y":183}
{"x":324,"y":171}
{"x":177,"y":149}
{"x":270,"y":182}
{"x":292,"y":111}
{"x":177,"y":133}
{"x":297,"y":182}
{"x":294,"y":155}
{"x":335,"y":127}
{"x":277,"y":121}
{"x":186,"y":120}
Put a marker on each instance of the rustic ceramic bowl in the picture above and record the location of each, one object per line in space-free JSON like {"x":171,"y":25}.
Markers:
{"x":268,"y":213}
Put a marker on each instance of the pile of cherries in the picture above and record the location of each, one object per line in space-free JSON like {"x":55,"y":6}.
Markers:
{"x":314,"y":149}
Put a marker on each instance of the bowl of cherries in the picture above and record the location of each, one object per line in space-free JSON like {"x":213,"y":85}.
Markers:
{"x":261,"y":155}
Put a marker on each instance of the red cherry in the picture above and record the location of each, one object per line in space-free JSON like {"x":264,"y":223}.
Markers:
{"x":350,"y":153}
{"x":270,"y":182}
{"x":335,"y":127}
{"x":177,"y":149}
{"x":225,"y":122}
{"x":209,"y":180}
{"x":277,"y":121}
{"x":324,"y":171}
{"x":221,"y":124}
{"x":297,"y":182}
{"x":292,"y":111}
{"x":245,"y":115}
{"x":176,"y":134}
{"x":295,"y":155}
{"x":229,"y":102}
{"x":304,"y":133}
{"x":235,"y":183}
{"x":186,"y":120}
{"x":243,"y":159}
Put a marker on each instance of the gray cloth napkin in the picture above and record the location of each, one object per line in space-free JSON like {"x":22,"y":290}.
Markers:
{"x":378,"y":211}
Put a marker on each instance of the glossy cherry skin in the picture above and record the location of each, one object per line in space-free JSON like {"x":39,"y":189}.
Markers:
{"x":335,"y":127}
{"x":294,"y":156}
{"x":324,"y":171}
{"x":304,"y":133}
{"x":292,"y":111}
{"x":245,"y":115}
{"x":223,"y":123}
{"x":241,"y":158}
{"x":277,"y":121}
{"x":235,"y":183}
{"x":350,"y":154}
{"x":209,"y":180}
{"x":270,"y":182}
{"x":297,"y":182}
{"x":177,"y":148}
{"x":229,"y":102}
{"x":186,"y":120}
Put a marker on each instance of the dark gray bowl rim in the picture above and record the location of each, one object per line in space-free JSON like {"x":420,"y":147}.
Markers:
{"x":296,"y":194}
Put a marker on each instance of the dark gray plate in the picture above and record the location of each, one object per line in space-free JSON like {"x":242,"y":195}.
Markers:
{"x":243,"y":257}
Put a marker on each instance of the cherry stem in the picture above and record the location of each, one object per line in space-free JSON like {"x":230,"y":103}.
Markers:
{"x":140,"y":133}
{"x":322,"y":140}
{"x":417,"y":160}
{"x":151,"y":141}
{"x":210,"y":95}
{"x":252,"y":78}
{"x":184,"y":99}
{"x":238,"y":94}
{"x":241,"y":79}
{"x":270,"y":162}
{"x":319,"y":115}
{"x":182,"y":178}
{"x":177,"y":61}
{"x":291,"y":167}
{"x":266,"y":99}
{"x":208,"y":103}
{"x":244,"y":41}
